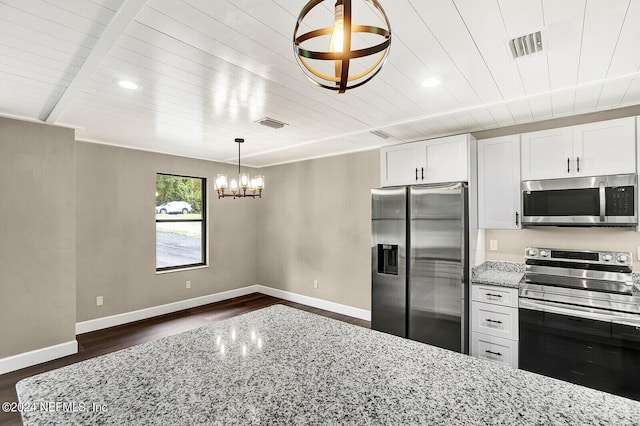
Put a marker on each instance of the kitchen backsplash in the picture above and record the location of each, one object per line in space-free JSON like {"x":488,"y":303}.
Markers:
{"x":512,"y":243}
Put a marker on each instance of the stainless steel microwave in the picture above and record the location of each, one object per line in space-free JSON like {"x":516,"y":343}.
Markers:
{"x":584,"y":201}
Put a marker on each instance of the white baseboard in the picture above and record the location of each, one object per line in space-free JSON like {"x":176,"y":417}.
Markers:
{"x":127,"y":317}
{"x":316,"y":303}
{"x":38,"y":356}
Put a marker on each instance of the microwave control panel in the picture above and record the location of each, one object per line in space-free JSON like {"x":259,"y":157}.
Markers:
{"x":620,"y":201}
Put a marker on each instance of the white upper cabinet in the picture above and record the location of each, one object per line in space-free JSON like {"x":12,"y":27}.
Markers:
{"x":398,"y":164}
{"x":499,"y":182}
{"x":605,"y":148}
{"x":431,"y":161}
{"x":547,"y":154}
{"x":446,"y":160}
{"x":601,"y":148}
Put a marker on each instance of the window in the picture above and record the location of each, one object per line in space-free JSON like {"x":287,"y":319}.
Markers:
{"x":180,"y":222}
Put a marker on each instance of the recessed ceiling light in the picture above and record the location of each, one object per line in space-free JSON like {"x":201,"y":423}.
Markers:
{"x":128,"y":84}
{"x":431,"y":82}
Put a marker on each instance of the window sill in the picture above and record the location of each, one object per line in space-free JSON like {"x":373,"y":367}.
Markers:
{"x":191,"y":268}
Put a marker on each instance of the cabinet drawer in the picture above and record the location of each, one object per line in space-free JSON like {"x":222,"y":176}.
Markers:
{"x":494,"y":349}
{"x":495,"y":320}
{"x":503,"y":296}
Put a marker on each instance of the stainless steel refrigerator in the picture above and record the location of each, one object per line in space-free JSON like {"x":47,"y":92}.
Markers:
{"x":420,"y":263}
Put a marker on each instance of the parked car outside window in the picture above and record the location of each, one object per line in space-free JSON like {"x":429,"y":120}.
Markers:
{"x":174,"y":207}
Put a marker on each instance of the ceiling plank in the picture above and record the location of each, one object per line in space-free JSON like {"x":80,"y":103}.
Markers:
{"x":125,"y":16}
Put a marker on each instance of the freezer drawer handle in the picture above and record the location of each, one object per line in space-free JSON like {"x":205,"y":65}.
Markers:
{"x":493,"y":295}
{"x":493,"y":353}
{"x":493,"y":321}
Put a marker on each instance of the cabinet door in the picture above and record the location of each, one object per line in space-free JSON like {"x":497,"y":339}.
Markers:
{"x":499,"y":183}
{"x":605,"y":147}
{"x":547,"y":154}
{"x":398,"y":164}
{"x":445,"y":159}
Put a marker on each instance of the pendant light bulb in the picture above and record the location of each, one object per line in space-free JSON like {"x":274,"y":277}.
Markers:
{"x":337,"y":37}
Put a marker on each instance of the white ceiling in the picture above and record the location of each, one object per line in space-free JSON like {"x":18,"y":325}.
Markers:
{"x":211,"y":68}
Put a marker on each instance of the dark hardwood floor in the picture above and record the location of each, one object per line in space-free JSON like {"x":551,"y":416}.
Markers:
{"x":94,"y":344}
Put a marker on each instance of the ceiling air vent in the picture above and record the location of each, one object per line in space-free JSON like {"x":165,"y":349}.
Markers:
{"x":380,"y":134}
{"x":526,"y":45}
{"x":270,"y":122}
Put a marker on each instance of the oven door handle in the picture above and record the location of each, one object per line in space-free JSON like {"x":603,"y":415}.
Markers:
{"x":577,"y":311}
{"x":603,"y":200}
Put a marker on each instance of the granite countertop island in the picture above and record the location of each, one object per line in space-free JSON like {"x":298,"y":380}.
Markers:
{"x":281,"y":365}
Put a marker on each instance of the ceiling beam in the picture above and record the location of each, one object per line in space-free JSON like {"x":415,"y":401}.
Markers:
{"x":109,"y":37}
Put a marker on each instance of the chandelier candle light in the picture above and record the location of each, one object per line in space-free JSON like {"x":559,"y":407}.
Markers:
{"x":241,"y":187}
{"x":353,"y":65}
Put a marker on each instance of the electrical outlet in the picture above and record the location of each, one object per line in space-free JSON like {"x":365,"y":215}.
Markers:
{"x":638,"y":254}
{"x":493,"y":245}
{"x":315,"y":283}
{"x":188,"y":284}
{"x":99,"y":301}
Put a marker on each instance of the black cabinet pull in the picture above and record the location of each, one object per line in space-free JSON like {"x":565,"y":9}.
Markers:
{"x":493,"y":295}
{"x":416,"y":173}
{"x":578,"y":159}
{"x":493,"y":353}
{"x":422,"y":173}
{"x":517,"y":218}
{"x":568,"y":170}
{"x":494,"y":321}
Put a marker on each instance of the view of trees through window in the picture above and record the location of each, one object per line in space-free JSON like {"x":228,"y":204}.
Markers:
{"x":180,"y":221}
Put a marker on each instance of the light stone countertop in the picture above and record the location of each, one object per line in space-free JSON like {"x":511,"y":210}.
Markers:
{"x":502,"y":274}
{"x":510,"y":274}
{"x":283,"y":366}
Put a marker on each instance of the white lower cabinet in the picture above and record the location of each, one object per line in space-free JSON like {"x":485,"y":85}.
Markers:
{"x":494,"y":324}
{"x":495,"y":349}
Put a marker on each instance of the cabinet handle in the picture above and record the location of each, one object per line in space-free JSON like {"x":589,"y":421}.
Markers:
{"x":568,"y":163}
{"x":517,"y":218}
{"x":493,"y":353}
{"x":493,"y":321}
{"x":422,"y":173}
{"x":416,"y":174}
{"x":578,"y":160}
{"x":493,"y":295}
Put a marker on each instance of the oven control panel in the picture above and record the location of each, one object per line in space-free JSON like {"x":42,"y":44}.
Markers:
{"x":582,"y":256}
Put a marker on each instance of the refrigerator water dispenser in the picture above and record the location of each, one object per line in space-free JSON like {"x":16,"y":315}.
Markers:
{"x":388,"y":259}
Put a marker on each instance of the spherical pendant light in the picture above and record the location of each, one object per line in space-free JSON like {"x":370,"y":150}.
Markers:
{"x":343,"y":55}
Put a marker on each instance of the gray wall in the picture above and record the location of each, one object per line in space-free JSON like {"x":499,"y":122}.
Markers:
{"x":116,"y":233}
{"x":316,"y":226}
{"x":37,"y":236}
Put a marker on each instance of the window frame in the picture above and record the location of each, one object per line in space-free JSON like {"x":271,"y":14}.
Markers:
{"x":202,"y":220}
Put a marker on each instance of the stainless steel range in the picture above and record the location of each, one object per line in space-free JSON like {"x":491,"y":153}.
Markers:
{"x":579,"y":319}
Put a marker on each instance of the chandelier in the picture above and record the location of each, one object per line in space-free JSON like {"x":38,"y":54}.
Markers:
{"x":241,"y":187}
{"x":346,"y":64}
